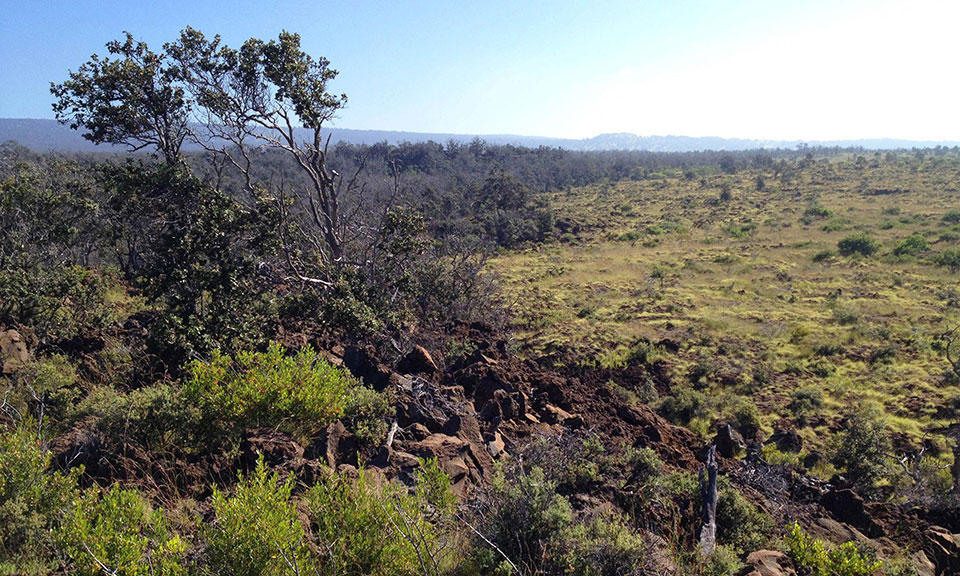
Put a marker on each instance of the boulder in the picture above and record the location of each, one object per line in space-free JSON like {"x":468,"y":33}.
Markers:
{"x":276,"y":448}
{"x":417,"y":361}
{"x":729,"y":442}
{"x":14,"y":353}
{"x":786,"y":440}
{"x":362,"y":363}
{"x":942,"y":549}
{"x":768,"y":563}
{"x":847,"y":506}
{"x":335,"y":446}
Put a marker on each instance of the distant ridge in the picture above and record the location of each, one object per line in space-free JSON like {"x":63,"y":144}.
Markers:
{"x":43,"y":135}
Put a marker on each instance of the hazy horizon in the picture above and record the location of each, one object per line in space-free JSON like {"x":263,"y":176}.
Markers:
{"x":810,"y":71}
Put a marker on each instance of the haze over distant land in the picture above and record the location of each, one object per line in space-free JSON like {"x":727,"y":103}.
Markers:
{"x":43,"y":135}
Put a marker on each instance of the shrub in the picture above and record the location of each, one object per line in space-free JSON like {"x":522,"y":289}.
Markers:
{"x":812,"y":554}
{"x":119,"y":533}
{"x":952,"y":217}
{"x":740,"y":525}
{"x":817,"y":210}
{"x":824,"y":255}
{"x":805,"y":402}
{"x":862,"y":446}
{"x":257,"y":531}
{"x":949,"y":258}
{"x":525,"y":519}
{"x":723,"y":562}
{"x":912,"y":245}
{"x":367,"y":526}
{"x":302,"y":393}
{"x":861,"y":244}
{"x":32,"y":501}
{"x":600,"y":546}
{"x":684,"y":406}
{"x":365,"y":413}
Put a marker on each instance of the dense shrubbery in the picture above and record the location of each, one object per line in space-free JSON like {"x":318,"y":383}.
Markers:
{"x":301,"y":393}
{"x":812,"y":556}
{"x":861,"y":244}
{"x":32,"y":502}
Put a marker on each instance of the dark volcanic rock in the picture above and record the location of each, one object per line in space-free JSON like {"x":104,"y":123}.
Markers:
{"x":847,"y":506}
{"x":417,"y":361}
{"x":363,"y":364}
{"x":335,"y":446}
{"x":729,"y":442}
{"x":786,"y":440}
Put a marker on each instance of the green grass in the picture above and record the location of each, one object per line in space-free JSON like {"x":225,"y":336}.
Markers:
{"x":759,"y":275}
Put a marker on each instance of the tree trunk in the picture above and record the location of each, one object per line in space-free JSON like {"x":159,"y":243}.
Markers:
{"x":708,"y":494}
{"x":955,"y":469}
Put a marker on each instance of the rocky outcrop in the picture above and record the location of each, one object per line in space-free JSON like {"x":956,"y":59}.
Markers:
{"x":417,"y":361}
{"x":786,"y":440}
{"x":768,"y":563}
{"x":14,"y":352}
{"x":942,"y":549}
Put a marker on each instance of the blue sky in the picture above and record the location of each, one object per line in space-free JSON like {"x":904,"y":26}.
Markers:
{"x":816,"y":69}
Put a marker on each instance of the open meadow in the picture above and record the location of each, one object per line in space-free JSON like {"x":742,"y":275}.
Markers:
{"x":738,"y":284}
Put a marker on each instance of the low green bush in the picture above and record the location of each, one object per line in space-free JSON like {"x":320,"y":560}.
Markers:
{"x":257,"y":531}
{"x":861,"y":244}
{"x":367,"y":526}
{"x":300,"y":393}
{"x":32,"y":502}
{"x":912,"y":245}
{"x":813,"y":555}
{"x":949,"y":258}
{"x":118,"y":532}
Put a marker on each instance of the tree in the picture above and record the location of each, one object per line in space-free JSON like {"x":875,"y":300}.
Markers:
{"x":229,"y":101}
{"x":131,"y":100}
{"x":258,"y":96}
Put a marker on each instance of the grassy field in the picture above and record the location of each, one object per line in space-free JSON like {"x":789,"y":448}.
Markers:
{"x":740,"y":279}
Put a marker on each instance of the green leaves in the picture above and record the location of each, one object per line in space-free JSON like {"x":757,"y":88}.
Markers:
{"x":301,"y":393}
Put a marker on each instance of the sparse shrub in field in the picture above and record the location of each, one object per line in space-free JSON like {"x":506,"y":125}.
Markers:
{"x":602,"y":545}
{"x":812,"y":555}
{"x":845,"y":315}
{"x":821,"y":367}
{"x":740,"y":524}
{"x":302,"y":393}
{"x":883,"y":355}
{"x":949,"y":258}
{"x":836,"y":225}
{"x":805,"y":402}
{"x":366,"y":412}
{"x":575,"y":461}
{"x":526,"y":518}
{"x":861,"y":244}
{"x":828,"y":349}
{"x":33,"y":502}
{"x":118,"y":532}
{"x":257,"y":531}
{"x":684,"y":406}
{"x":862,"y":446}
{"x":949,"y":236}
{"x":740,"y":230}
{"x":47,"y":386}
{"x":817,"y":210}
{"x":723,"y":562}
{"x":535,"y":527}
{"x":643,"y":463}
{"x":824,"y":255}
{"x":952,"y":217}
{"x":912,"y":245}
